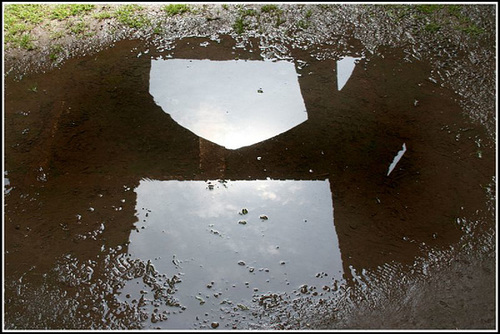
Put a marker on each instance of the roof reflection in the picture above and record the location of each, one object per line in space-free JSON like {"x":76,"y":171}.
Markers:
{"x":233,"y":103}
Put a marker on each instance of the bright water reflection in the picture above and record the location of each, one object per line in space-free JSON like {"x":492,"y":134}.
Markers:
{"x":228,"y":240}
{"x":396,"y":159}
{"x":345,"y":67}
{"x":233,"y":103}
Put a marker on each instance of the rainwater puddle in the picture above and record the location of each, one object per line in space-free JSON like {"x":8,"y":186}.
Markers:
{"x":233,"y":103}
{"x":345,"y":66}
{"x":204,"y":185}
{"x":396,"y":159}
{"x":230,"y":242}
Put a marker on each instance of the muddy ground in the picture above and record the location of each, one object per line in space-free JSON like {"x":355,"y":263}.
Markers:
{"x":418,"y":247}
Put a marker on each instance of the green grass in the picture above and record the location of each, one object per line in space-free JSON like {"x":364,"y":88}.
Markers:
{"x":466,"y":25}
{"x":239,"y":25}
{"x":303,"y":24}
{"x":279,"y":20}
{"x":432,"y":27}
{"x":428,"y":9}
{"x":21,"y":19}
{"x":455,"y":10}
{"x":158,"y":29}
{"x":275,"y":11}
{"x":26,"y":42}
{"x":131,"y":16}
{"x":61,"y":12}
{"x":30,"y":14}
{"x":247,"y":12}
{"x":268,"y":8}
{"x":55,"y":50}
{"x":472,"y":30}
{"x":175,"y":9}
{"x":79,"y":27}
{"x":449,"y":16}
{"x":103,"y":15}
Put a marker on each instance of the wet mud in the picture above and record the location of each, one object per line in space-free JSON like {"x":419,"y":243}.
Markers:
{"x":81,"y":140}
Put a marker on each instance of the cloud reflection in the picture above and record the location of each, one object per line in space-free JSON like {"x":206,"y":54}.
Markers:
{"x":297,"y":241}
{"x":233,"y":103}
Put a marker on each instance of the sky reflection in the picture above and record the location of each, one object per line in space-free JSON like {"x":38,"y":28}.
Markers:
{"x":195,"y":227}
{"x":233,"y":103}
{"x":345,"y":67}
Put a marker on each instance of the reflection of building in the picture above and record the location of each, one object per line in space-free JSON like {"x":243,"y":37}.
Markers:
{"x":352,"y":134}
{"x":238,"y":237}
{"x":100,"y":130}
{"x":233,"y":103}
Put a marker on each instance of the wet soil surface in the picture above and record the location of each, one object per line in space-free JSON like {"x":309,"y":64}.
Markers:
{"x":416,"y":245}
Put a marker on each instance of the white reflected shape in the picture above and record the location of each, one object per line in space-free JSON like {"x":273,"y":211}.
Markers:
{"x":233,"y":103}
{"x":345,"y":66}
{"x":201,"y":228}
{"x":396,"y":159}
{"x":7,"y":188}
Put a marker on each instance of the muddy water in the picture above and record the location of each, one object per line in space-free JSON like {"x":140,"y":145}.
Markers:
{"x":119,"y":215}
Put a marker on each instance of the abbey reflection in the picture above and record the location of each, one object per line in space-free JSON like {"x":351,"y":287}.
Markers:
{"x":115,"y":134}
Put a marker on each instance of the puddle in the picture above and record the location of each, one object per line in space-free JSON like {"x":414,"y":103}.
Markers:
{"x":229,"y":241}
{"x":396,"y":159}
{"x":345,"y":66}
{"x":6,"y":183}
{"x":233,"y":103}
{"x":207,"y":186}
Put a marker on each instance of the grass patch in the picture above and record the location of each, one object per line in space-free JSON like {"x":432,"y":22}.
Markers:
{"x":472,"y":30}
{"x":21,"y":19}
{"x":247,"y":12}
{"x":269,"y":8}
{"x":279,"y":20}
{"x":176,"y":9}
{"x":30,"y":14}
{"x":158,"y":29}
{"x":55,"y":51}
{"x":131,"y":16}
{"x":240,"y":25}
{"x":428,"y":9}
{"x":303,"y":24}
{"x":61,"y":12}
{"x":79,"y":27}
{"x":443,"y":14}
{"x":103,"y":15}
{"x":275,"y":11}
{"x":26,"y":42}
{"x":58,"y":34}
{"x":466,"y":24}
{"x":455,"y":10}
{"x":432,"y":27}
